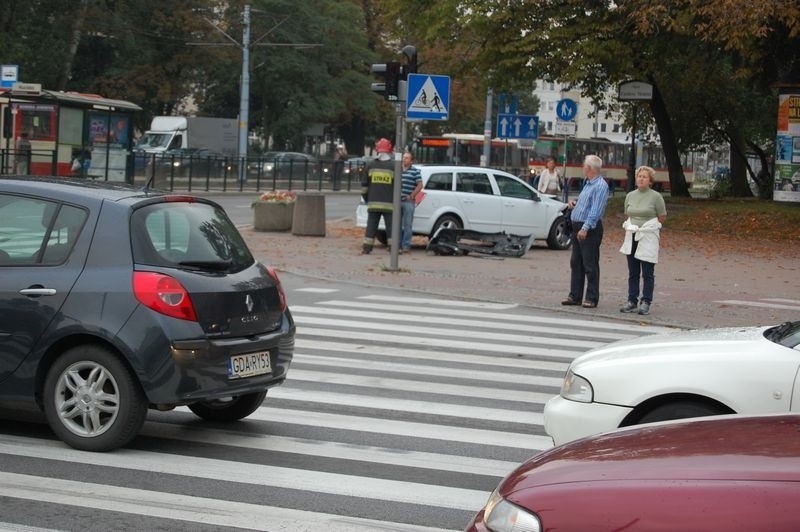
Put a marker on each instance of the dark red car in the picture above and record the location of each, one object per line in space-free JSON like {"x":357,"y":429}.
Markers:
{"x":710,"y":474}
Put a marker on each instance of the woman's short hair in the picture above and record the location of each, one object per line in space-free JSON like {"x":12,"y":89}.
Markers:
{"x":649,"y":171}
{"x":593,"y":161}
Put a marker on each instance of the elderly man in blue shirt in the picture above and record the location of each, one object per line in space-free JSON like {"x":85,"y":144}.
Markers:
{"x":587,"y":234}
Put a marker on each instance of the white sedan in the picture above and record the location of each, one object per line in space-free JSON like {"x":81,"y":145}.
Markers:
{"x":750,"y":370}
{"x":484,"y":200}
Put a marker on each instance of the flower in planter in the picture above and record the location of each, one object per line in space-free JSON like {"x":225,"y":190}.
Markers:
{"x":278,"y":196}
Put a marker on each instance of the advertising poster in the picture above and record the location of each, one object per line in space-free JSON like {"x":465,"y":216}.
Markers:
{"x":787,"y":149}
{"x":108,"y":140}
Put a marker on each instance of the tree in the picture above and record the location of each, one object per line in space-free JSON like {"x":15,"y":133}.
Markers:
{"x":596,"y":44}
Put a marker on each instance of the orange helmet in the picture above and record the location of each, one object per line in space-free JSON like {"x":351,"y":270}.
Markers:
{"x":383,"y":146}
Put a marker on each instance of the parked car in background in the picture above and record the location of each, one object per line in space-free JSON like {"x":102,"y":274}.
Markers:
{"x":706,"y":475}
{"x":745,"y":370}
{"x":115,"y":299}
{"x":485,"y":200}
{"x":284,"y":165}
{"x":184,"y":162}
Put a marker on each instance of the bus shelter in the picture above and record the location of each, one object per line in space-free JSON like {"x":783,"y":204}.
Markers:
{"x":70,"y":133}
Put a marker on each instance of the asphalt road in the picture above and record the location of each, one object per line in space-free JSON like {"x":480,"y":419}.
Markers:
{"x":402,"y":411}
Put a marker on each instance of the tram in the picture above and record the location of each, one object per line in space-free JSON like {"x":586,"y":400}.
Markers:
{"x":526,"y":158}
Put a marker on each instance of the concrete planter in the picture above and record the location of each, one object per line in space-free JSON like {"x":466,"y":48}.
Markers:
{"x":272,"y":216}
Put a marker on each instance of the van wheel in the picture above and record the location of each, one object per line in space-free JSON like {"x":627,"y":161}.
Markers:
{"x":447,"y":221}
{"x":559,"y":236}
{"x":92,"y":401}
{"x":229,"y":408}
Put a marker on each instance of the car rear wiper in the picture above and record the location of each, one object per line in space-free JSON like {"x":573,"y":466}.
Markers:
{"x":207,"y":265}
{"x":776,"y":332}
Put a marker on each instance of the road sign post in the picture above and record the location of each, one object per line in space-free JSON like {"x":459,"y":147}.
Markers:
{"x":634,"y":91}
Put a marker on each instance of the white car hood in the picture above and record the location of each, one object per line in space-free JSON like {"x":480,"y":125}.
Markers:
{"x":708,"y":341}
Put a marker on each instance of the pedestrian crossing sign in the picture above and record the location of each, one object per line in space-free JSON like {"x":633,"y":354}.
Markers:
{"x":428,"y":97}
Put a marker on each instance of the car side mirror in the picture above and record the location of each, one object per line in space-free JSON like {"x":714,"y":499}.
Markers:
{"x":536,"y":197}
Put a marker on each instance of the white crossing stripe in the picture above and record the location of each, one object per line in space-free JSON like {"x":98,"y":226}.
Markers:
{"x":167,"y":505}
{"x":311,"y":289}
{"x":497,"y":324}
{"x":255,"y":474}
{"x":337,"y":363}
{"x":328,"y":449}
{"x":442,"y":302}
{"x":410,"y":405}
{"x":625,"y":329}
{"x":515,"y":350}
{"x":429,"y":354}
{"x":404,"y":428}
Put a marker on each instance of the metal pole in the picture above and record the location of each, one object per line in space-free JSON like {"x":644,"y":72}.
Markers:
{"x":394,"y":252}
{"x":244,"y":100}
{"x":487,"y":130}
{"x":565,"y":186}
{"x":632,"y":167}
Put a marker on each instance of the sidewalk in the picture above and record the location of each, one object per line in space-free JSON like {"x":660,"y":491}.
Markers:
{"x":695,"y":288}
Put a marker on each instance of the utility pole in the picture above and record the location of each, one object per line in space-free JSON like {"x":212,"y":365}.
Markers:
{"x":244,"y":96}
{"x":244,"y":92}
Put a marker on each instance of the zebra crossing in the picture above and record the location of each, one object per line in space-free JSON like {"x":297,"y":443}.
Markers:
{"x":399,"y":413}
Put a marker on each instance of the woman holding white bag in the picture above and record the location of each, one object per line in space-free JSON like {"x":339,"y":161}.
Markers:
{"x":646,"y":212}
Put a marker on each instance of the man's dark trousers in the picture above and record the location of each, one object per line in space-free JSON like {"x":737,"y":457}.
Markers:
{"x":585,"y":264}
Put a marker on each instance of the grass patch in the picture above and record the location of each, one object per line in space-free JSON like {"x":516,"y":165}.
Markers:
{"x":729,"y":218}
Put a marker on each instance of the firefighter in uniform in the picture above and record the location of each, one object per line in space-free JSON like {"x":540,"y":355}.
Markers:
{"x":378,"y":191}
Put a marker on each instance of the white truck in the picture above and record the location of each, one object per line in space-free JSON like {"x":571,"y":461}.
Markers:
{"x":217,"y":135}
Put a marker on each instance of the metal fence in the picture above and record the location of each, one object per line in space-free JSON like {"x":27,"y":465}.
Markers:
{"x":244,"y":174}
{"x":207,"y":173}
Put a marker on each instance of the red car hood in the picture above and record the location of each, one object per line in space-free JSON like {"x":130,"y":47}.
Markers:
{"x":722,"y":448}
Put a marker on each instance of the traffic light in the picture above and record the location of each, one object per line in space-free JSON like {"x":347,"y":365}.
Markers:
{"x":410,"y":53}
{"x":391,"y":78}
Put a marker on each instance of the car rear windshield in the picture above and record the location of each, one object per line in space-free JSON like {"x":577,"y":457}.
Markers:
{"x":188,"y":235}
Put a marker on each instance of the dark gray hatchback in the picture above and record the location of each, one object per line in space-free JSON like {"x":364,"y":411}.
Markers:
{"x":114,"y":299}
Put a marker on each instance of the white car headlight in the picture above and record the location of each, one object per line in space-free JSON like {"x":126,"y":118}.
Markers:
{"x":576,"y":388}
{"x":502,"y":516}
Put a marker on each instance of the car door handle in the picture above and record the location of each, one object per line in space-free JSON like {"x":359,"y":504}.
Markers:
{"x":41,"y":291}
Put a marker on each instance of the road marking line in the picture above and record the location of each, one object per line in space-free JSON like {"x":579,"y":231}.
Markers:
{"x":429,"y":354}
{"x":498,"y":323}
{"x":254,"y":474}
{"x":204,"y":510}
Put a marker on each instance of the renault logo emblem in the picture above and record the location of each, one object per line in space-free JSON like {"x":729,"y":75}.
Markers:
{"x":248,"y":302}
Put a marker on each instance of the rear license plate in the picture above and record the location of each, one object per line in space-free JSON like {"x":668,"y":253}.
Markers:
{"x":249,"y":365}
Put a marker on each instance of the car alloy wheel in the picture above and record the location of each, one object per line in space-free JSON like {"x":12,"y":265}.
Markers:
{"x":91,"y":400}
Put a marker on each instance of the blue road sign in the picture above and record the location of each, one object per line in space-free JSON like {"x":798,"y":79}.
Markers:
{"x":428,"y":97}
{"x":517,"y":126}
{"x":566,"y":109}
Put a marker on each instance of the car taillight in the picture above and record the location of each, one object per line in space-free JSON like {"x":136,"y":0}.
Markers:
{"x":164,"y":294}
{"x":278,"y":286}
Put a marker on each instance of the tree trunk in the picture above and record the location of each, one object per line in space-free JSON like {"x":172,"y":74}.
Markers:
{"x":677,"y":181}
{"x":74,"y":41}
{"x":739,"y":186}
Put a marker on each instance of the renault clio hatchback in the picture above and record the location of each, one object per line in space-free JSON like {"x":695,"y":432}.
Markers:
{"x":114,"y":300}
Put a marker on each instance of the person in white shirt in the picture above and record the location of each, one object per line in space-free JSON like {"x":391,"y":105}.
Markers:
{"x":646,"y":212}
{"x":549,"y":180}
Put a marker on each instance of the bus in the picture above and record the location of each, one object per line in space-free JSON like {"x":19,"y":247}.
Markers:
{"x":526,"y":158}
